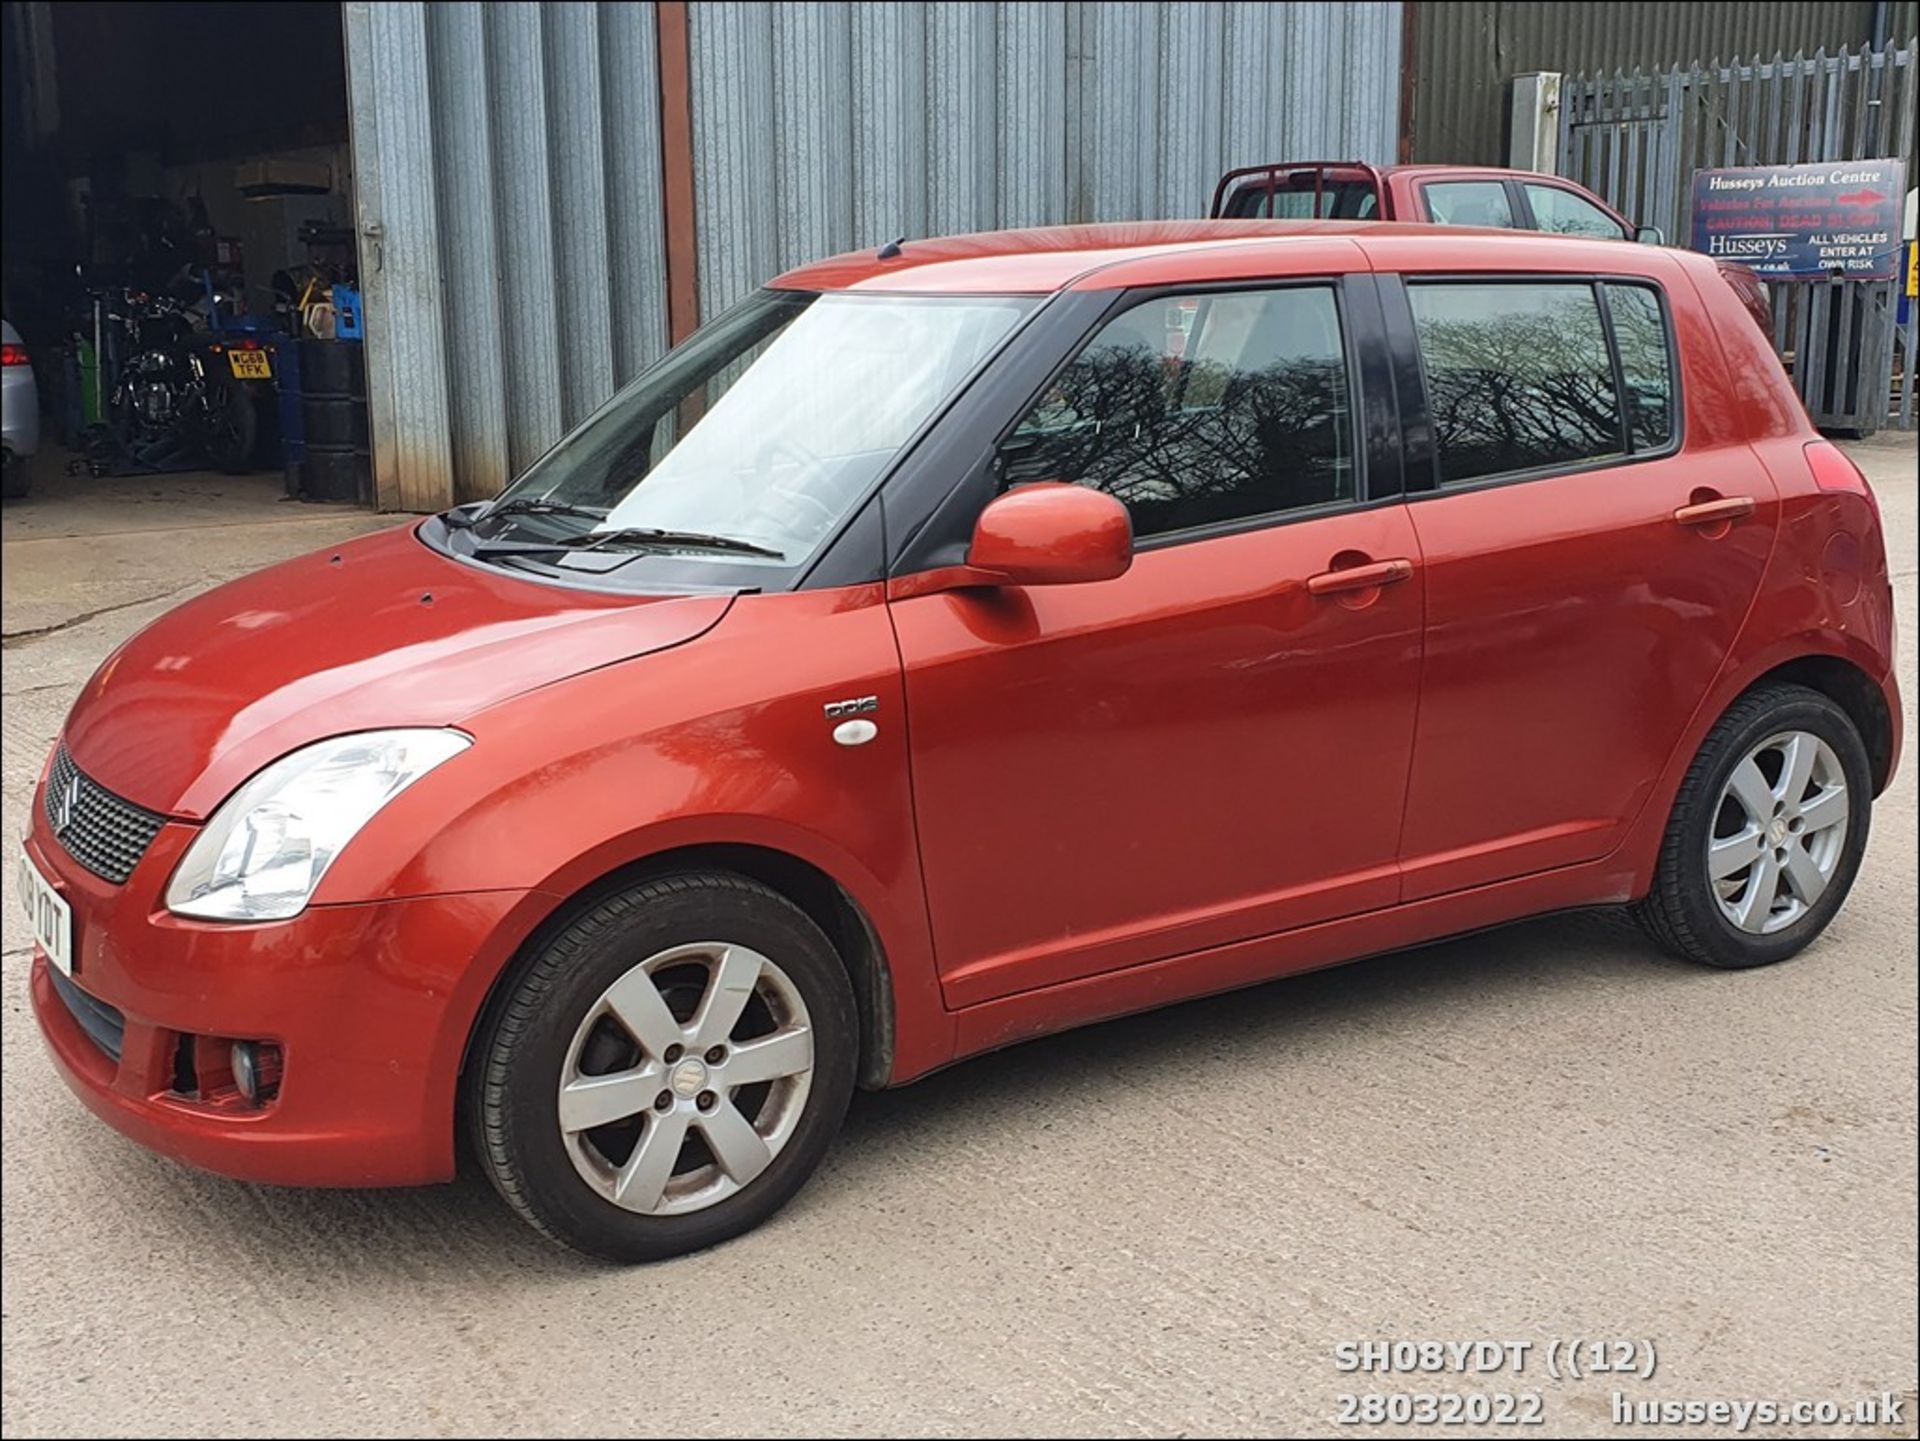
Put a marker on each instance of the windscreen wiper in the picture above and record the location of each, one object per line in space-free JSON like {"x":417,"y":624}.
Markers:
{"x":464,"y":517}
{"x":632,"y":537}
{"x":540,"y":505}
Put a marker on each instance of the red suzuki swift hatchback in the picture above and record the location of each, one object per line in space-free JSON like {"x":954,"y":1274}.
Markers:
{"x":951,"y":646}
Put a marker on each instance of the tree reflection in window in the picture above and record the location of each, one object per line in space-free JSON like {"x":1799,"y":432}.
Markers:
{"x":1645,"y":364}
{"x":1200,"y":410}
{"x":1518,"y":377}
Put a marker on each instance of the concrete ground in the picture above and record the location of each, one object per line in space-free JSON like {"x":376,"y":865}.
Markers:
{"x":1164,"y":1224}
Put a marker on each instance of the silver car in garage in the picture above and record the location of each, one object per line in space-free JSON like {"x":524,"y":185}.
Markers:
{"x":19,"y":412}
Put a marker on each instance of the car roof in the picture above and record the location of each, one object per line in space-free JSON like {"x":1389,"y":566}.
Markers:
{"x":1035,"y":261}
{"x":1500,"y":170}
{"x":1043,"y":260}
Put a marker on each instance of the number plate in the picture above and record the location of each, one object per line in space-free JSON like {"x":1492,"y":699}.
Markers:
{"x":250,"y":364}
{"x":48,"y":913}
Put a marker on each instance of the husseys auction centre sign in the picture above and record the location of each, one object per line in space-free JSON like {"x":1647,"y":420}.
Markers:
{"x":1839,"y":218}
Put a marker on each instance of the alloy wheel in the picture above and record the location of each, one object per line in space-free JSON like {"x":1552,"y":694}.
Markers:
{"x":1779,"y":832}
{"x":686,"y":1078}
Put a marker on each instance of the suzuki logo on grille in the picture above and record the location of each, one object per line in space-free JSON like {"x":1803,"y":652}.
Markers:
{"x":65,"y":801}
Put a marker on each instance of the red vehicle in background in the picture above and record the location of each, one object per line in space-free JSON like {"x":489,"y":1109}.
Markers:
{"x":1482,"y":195}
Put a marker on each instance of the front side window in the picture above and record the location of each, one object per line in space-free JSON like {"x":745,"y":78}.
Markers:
{"x":1469,"y":202}
{"x":1561,"y":212}
{"x":750,"y":444}
{"x":1518,"y":375}
{"x":1199,"y":410}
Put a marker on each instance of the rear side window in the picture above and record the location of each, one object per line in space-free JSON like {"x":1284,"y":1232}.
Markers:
{"x":1198,"y":410}
{"x":1521,"y":376}
{"x":1469,"y":202}
{"x":1561,"y":212}
{"x":1518,"y":377}
{"x":1646,"y":364}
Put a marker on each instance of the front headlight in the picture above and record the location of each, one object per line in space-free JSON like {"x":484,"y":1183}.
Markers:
{"x":271,"y":841}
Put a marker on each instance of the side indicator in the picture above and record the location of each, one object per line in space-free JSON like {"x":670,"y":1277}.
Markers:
{"x":855,"y":732}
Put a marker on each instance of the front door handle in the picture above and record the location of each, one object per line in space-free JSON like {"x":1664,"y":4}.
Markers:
{"x":1359,"y":577}
{"x":1715,"y":512}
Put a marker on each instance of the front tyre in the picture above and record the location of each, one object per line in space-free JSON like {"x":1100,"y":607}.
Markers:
{"x":1766,"y":833}
{"x":667,"y":1070}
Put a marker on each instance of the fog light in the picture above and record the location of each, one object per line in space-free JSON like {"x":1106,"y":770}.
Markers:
{"x":246,"y":1069}
{"x":256,"y":1070}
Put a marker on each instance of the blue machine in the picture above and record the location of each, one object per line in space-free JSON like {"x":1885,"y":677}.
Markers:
{"x":348,"y":323}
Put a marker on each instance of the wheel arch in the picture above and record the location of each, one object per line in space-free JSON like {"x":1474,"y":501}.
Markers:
{"x":825,"y":902}
{"x":1806,"y":660}
{"x":1854,"y":691}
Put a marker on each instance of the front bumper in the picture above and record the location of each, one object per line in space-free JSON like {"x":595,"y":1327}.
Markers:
{"x":371,"y":1004}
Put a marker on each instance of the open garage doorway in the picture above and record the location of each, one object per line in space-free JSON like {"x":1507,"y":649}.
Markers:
{"x":180,"y":276}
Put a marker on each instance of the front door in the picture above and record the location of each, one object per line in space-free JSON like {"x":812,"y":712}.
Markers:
{"x":1213,"y":746}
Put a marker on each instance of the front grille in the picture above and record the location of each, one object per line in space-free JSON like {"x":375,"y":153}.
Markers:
{"x":104,"y":833}
{"x":104,"y":1026}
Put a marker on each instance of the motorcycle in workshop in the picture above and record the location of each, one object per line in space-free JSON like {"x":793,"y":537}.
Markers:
{"x":180,"y":391}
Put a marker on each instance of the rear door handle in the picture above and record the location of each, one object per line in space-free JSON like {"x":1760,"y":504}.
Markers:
{"x":1359,"y":577}
{"x":1715,"y":512}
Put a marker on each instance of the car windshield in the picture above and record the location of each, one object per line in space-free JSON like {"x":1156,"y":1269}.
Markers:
{"x":753,"y":442}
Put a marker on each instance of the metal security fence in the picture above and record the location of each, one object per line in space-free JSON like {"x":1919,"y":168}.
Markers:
{"x":1903,"y":378}
{"x":1468,"y":51}
{"x":1638,"y":138}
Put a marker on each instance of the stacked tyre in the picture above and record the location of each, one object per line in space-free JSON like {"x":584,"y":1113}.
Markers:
{"x":338,"y":463}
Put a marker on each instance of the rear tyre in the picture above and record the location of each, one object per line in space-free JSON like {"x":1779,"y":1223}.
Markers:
{"x":233,"y":429}
{"x":1766,"y":833}
{"x":14,"y":480}
{"x":667,"y":1070}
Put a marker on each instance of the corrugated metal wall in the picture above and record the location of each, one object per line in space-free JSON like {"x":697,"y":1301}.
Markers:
{"x":1468,"y":51}
{"x":509,"y":167}
{"x":509,"y":160}
{"x":820,"y":128}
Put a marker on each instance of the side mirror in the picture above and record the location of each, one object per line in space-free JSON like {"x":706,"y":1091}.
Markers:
{"x":1650,"y":235}
{"x":1051,"y":534}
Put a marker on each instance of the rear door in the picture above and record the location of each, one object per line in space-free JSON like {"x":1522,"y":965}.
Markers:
{"x":1588,"y":561}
